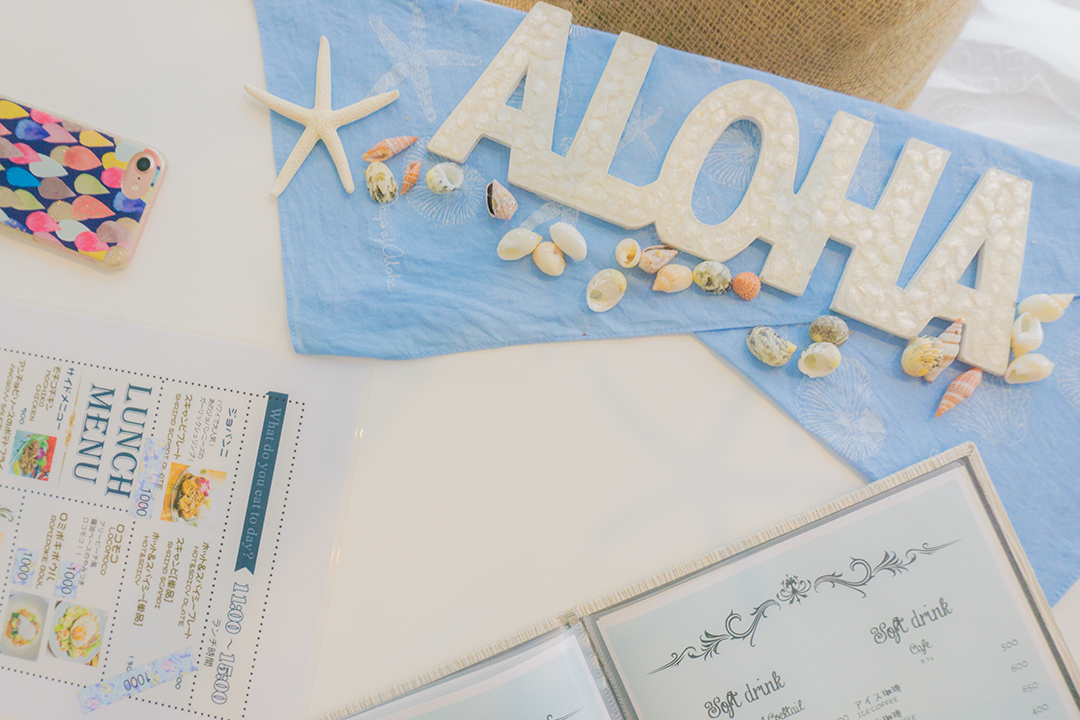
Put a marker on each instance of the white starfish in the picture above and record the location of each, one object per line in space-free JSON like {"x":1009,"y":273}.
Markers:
{"x":638,"y":129}
{"x":320,"y":122}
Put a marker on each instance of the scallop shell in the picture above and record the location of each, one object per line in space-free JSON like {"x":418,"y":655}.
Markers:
{"x":445,"y":178}
{"x":500,"y":201}
{"x":768,"y":347}
{"x":950,"y":339}
{"x":746,"y":285}
{"x":713,"y":277}
{"x":628,"y":252}
{"x":1029,"y":367}
{"x":1045,"y":307}
{"x":569,"y":240}
{"x":549,"y":258}
{"x":673,"y":278}
{"x":518,"y":243}
{"x":830,"y":329}
{"x":380,"y":183}
{"x":819,"y":359}
{"x":655,"y":257}
{"x":388,"y":148}
{"x":958,"y":390}
{"x":605,"y":290}
{"x":1027,"y":334}
{"x":410,"y":176}
{"x":922,"y":355}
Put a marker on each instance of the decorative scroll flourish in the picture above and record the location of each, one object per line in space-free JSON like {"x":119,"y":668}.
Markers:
{"x":794,"y":590}
{"x":564,"y":717}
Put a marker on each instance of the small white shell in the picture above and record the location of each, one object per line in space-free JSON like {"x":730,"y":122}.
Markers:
{"x":569,"y":240}
{"x":830,"y":329}
{"x":673,"y":278}
{"x":444,"y":178}
{"x":713,"y":277}
{"x":1045,"y":307}
{"x":381,"y":184}
{"x":518,"y":243}
{"x":655,"y":257}
{"x":1029,"y":367}
{"x":605,"y":290}
{"x":768,"y":347}
{"x":1027,"y":334}
{"x":628,"y":252}
{"x":549,"y":258}
{"x":501,"y":204}
{"x":819,"y":359}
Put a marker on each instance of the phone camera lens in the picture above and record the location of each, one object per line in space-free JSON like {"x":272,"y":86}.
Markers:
{"x":142,"y":164}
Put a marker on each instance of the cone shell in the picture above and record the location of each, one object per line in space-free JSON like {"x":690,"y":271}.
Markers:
{"x":518,"y":243}
{"x":830,"y":329}
{"x":380,"y":183}
{"x":819,"y":359}
{"x":950,"y":340}
{"x":922,"y":355}
{"x":746,"y":285}
{"x":500,"y":201}
{"x":549,"y":258}
{"x":713,"y":277}
{"x":1027,"y":334}
{"x":411,"y":175}
{"x":673,"y":278}
{"x":768,"y":347}
{"x":444,"y":178}
{"x":655,"y":257}
{"x":958,"y":390}
{"x":1045,"y":307}
{"x":388,"y":148}
{"x":569,"y":240}
{"x":605,"y":290}
{"x":1029,"y":367}
{"x":628,"y":252}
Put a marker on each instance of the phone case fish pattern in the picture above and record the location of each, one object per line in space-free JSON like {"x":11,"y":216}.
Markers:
{"x":74,"y":187}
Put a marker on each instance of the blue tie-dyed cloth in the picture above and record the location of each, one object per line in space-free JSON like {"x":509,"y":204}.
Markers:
{"x":420,"y":276}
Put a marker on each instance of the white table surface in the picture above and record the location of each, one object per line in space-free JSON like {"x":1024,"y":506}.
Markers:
{"x":493,"y":489}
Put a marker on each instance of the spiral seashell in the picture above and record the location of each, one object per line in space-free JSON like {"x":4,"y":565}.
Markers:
{"x":922,"y":355}
{"x":569,"y":240}
{"x":445,"y":178}
{"x":549,"y":258}
{"x":655,"y":257}
{"x":501,"y":204}
{"x":830,"y":329}
{"x":628,"y":252}
{"x":1027,"y":334}
{"x":1029,"y":367}
{"x":819,"y":359}
{"x":958,"y":390}
{"x":950,"y":339}
{"x":1046,"y":308}
{"x":605,"y":290}
{"x":380,"y":183}
{"x":388,"y":148}
{"x":746,"y":285}
{"x":410,"y":176}
{"x":713,"y":277}
{"x":673,"y":278}
{"x":768,"y":347}
{"x":518,"y":243}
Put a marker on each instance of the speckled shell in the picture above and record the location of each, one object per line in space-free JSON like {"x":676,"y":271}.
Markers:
{"x":549,"y":258}
{"x":1027,"y":334}
{"x":628,"y":252}
{"x":746,"y":285}
{"x":1029,"y":367}
{"x":605,"y":290}
{"x":950,"y":342}
{"x":1045,"y":307}
{"x":518,"y":243}
{"x":673,"y":278}
{"x":958,"y":390}
{"x":830,"y":329}
{"x":388,"y":148}
{"x":501,"y":204}
{"x":768,"y":347}
{"x":410,"y":176}
{"x":569,"y":240}
{"x":655,"y":257}
{"x":444,"y":178}
{"x":819,"y":359}
{"x":712,"y":277}
{"x":381,"y":184}
{"x":922,"y":355}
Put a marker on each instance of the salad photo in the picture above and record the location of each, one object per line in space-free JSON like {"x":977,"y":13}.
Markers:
{"x":22,"y":625}
{"x":76,"y":632}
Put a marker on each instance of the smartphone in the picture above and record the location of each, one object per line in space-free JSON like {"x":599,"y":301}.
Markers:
{"x":71,"y":186}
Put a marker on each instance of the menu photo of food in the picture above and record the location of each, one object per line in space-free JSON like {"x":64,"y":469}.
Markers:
{"x":191,"y":494}
{"x":23,"y":626}
{"x":33,"y":455}
{"x":76,"y":633}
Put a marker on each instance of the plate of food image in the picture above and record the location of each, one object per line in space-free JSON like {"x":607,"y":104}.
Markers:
{"x":22,"y":625}
{"x":191,"y":497}
{"x":76,"y":633}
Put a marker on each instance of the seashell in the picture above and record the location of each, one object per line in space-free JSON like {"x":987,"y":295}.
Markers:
{"x":819,"y":359}
{"x":410,"y":176}
{"x":712,"y":277}
{"x":1027,"y":333}
{"x":951,"y":340}
{"x":922,"y":355}
{"x":746,"y":285}
{"x":388,"y":148}
{"x":444,"y":178}
{"x":605,"y":290}
{"x":768,"y":347}
{"x":628,"y":252}
{"x":569,"y":240}
{"x":673,"y":278}
{"x":1046,"y":308}
{"x":830,"y":329}
{"x":518,"y":243}
{"x":655,"y":257}
{"x":549,"y":258}
{"x":380,"y":183}
{"x":500,"y":202}
{"x":958,"y":390}
{"x":1029,"y":367}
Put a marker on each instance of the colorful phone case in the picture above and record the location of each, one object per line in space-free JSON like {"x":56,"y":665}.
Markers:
{"x":74,"y":187}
